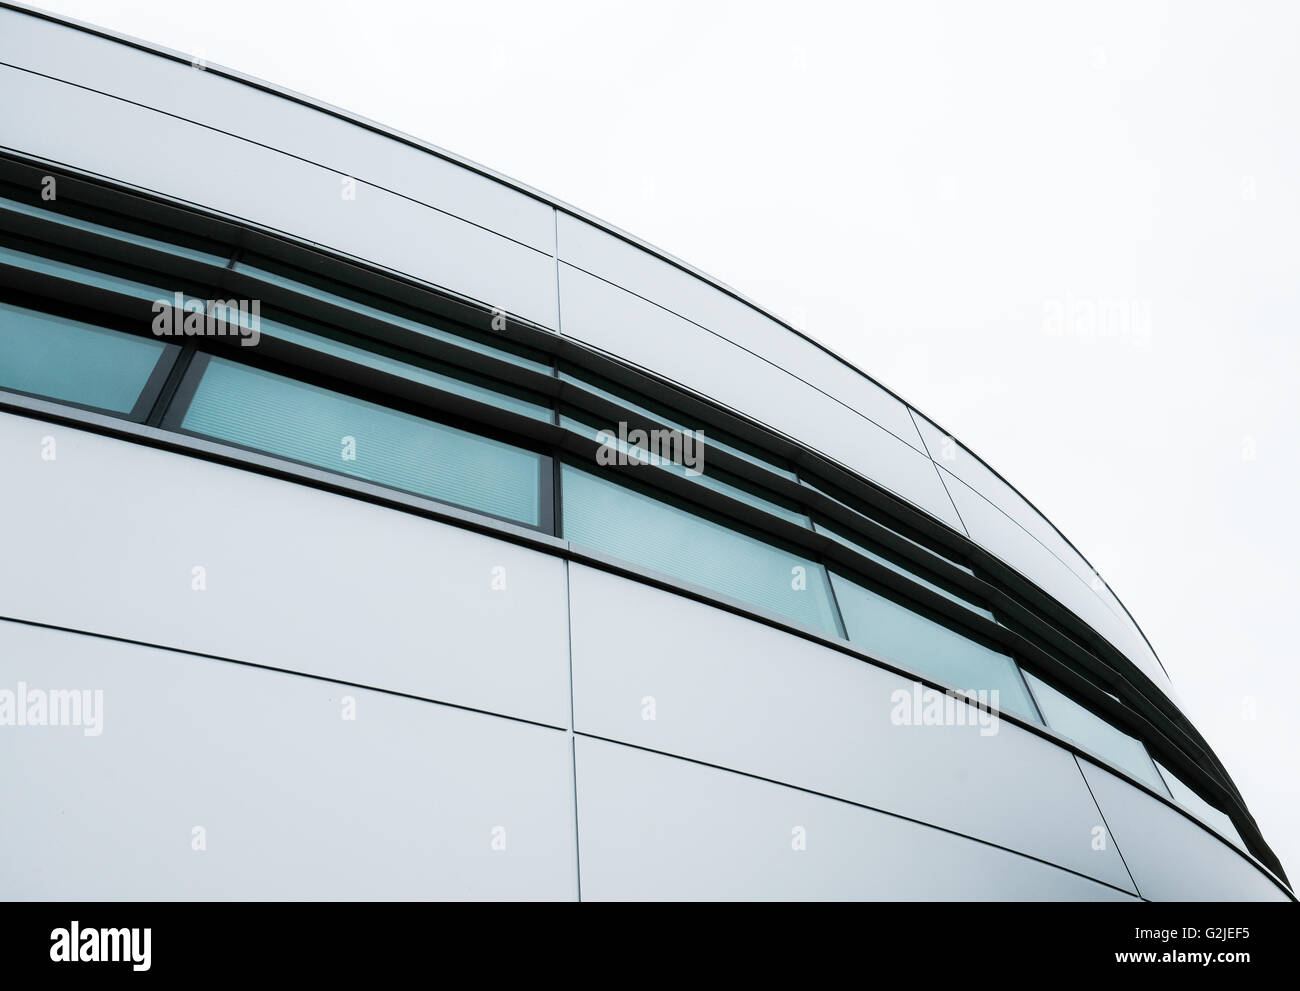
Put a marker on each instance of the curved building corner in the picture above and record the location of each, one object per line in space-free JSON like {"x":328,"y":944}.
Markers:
{"x":378,"y":527}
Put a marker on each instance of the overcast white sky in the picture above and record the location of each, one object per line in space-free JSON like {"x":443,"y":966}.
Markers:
{"x":933,"y":189}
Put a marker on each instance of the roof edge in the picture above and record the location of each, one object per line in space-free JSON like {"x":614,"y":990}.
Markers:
{"x":552,"y":201}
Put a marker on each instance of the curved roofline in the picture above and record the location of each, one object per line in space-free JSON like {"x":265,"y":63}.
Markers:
{"x":558,"y":204}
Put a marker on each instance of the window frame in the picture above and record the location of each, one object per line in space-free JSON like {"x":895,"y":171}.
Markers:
{"x":154,"y":383}
{"x":188,"y":386}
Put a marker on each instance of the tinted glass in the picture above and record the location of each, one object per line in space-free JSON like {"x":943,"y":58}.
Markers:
{"x":375,"y":356}
{"x":81,"y":223}
{"x":891,"y":528}
{"x":627,"y":523}
{"x":1089,"y":730}
{"x":1199,"y":807}
{"x":303,"y":422}
{"x":710,"y":478}
{"x":907,"y":570}
{"x":364,"y":303}
{"x":598,"y":387}
{"x":72,"y":361}
{"x":67,"y":265}
{"x":880,"y":625}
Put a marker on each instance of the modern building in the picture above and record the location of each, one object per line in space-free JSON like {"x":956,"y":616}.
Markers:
{"x":336,"y":563}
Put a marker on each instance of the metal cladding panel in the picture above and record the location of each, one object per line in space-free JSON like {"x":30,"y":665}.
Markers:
{"x":616,"y":321}
{"x":953,"y":456}
{"x":185,"y":90}
{"x":349,"y":591}
{"x":959,"y":462}
{"x":1001,"y":536}
{"x":164,"y":154}
{"x":1160,"y":843}
{"x":615,"y":260}
{"x":295,"y":801}
{"x":744,"y":696}
{"x":655,"y":827}
{"x":163,"y":125}
{"x":105,"y":539}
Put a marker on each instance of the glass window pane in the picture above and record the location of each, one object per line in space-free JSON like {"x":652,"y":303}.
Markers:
{"x":1089,"y":730}
{"x":291,"y":419}
{"x":1199,"y":807}
{"x":588,"y":382}
{"x":387,"y":311}
{"x":880,"y":625}
{"x":711,"y":478}
{"x":374,"y":357}
{"x":72,"y":361}
{"x":907,"y":570}
{"x":946,"y":556}
{"x":627,"y":523}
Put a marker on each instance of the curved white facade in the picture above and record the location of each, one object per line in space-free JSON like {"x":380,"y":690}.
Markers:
{"x":375,"y":695}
